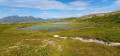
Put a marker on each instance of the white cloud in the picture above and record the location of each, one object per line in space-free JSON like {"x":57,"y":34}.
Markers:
{"x":3,"y":0}
{"x":117,"y":2}
{"x":59,"y":15}
{"x":78,"y":3}
{"x":45,"y":13}
{"x":18,"y":11}
{"x":114,"y":6}
{"x":53,"y":4}
{"x":15,"y":10}
{"x":44,"y":4}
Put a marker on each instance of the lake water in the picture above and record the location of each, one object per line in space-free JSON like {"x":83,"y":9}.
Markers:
{"x":84,"y":26}
{"x":47,"y":26}
{"x":61,"y":22}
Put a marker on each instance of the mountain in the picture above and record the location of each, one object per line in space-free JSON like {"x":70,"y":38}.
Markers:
{"x":22,"y":19}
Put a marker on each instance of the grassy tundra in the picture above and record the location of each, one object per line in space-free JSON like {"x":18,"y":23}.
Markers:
{"x":15,"y":42}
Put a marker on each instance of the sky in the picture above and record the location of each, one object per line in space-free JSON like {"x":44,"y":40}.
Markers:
{"x":56,"y":8}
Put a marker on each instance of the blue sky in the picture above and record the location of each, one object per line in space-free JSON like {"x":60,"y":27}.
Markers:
{"x":56,"y":8}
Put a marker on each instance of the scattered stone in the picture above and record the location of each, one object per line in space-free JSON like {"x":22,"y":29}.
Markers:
{"x":97,"y":41}
{"x":60,"y":48}
{"x":56,"y":35}
{"x":48,"y":42}
{"x":63,"y":38}
{"x":92,"y":40}
{"x":32,"y":39}
{"x":36,"y":50}
{"x":13,"y":47}
{"x":52,"y":43}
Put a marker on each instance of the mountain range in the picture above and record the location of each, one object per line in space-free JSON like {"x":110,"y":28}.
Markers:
{"x":22,"y":19}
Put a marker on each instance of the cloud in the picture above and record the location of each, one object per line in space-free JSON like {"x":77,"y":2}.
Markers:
{"x":44,"y":4}
{"x":15,"y":10}
{"x":78,"y":5}
{"x":59,"y":15}
{"x":45,"y":13}
{"x":114,"y":6}
{"x":117,"y":2}
{"x":18,"y":11}
{"x":53,"y":4}
{"x":3,"y":0}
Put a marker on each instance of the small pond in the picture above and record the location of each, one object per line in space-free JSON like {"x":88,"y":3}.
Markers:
{"x":61,"y":22}
{"x":47,"y":26}
{"x":84,"y":26}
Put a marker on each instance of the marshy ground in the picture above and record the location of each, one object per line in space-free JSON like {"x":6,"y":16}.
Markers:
{"x":15,"y":42}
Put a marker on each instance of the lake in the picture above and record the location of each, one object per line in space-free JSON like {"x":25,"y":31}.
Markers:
{"x":47,"y":26}
{"x":61,"y":22}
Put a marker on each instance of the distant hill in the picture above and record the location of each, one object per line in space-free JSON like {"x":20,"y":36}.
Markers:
{"x":94,"y":15}
{"x":110,"y":19}
{"x":90,"y":16}
{"x":22,"y":19}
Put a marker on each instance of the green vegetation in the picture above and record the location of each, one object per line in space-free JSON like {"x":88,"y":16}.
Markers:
{"x":15,"y":42}
{"x":109,"y":21}
{"x":106,"y":28}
